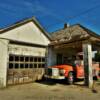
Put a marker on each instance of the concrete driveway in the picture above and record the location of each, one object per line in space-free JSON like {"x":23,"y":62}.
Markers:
{"x":49,"y":91}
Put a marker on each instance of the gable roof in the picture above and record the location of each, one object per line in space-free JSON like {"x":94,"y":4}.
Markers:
{"x":25,"y":21}
{"x":73,"y":33}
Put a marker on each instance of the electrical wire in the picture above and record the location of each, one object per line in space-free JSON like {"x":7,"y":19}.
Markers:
{"x":75,"y":16}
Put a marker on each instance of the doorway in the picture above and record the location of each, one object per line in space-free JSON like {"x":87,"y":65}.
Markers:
{"x":59,"y":59}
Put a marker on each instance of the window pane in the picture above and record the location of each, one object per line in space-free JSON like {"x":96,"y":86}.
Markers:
{"x":43,"y":65}
{"x":39,"y":59}
{"x":43,"y":59}
{"x":31,"y":65}
{"x":26,"y":58}
{"x":22,"y":58}
{"x":16,"y":66}
{"x":10,"y":66}
{"x":16,"y":58}
{"x":39,"y":65}
{"x":21,"y":65}
{"x":31,"y":59}
{"x":35,"y":59}
{"x":11,"y":58}
{"x":26,"y":65}
{"x":35,"y":65}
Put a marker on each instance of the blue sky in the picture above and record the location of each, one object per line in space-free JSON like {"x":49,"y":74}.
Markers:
{"x":52,"y":14}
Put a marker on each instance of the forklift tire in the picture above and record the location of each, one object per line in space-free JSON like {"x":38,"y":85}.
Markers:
{"x":70,"y":78}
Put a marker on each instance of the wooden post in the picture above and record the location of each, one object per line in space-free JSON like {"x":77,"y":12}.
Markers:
{"x":87,"y":56}
{"x":51,"y":60}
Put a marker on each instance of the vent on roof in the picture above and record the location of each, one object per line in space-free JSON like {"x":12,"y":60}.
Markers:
{"x":66,"y":25}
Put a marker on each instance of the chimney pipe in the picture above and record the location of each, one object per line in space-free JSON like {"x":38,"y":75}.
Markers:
{"x":66,"y":25}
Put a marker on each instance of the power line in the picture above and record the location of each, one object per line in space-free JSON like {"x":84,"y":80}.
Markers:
{"x":77,"y":15}
{"x":67,"y":18}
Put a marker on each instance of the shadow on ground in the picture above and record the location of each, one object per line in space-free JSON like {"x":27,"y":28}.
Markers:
{"x":52,"y":82}
{"x":78,"y":82}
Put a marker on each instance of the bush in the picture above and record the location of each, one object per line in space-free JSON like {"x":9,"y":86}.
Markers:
{"x":97,"y":57}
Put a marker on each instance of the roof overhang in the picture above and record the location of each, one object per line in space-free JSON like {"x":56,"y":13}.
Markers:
{"x":22,"y":22}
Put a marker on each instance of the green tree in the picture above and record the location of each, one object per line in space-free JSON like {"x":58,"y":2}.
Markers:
{"x":97,"y":58}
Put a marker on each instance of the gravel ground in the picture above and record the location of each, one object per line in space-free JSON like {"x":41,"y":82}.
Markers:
{"x":49,"y":91}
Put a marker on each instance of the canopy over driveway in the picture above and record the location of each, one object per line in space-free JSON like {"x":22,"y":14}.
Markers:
{"x":70,"y":41}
